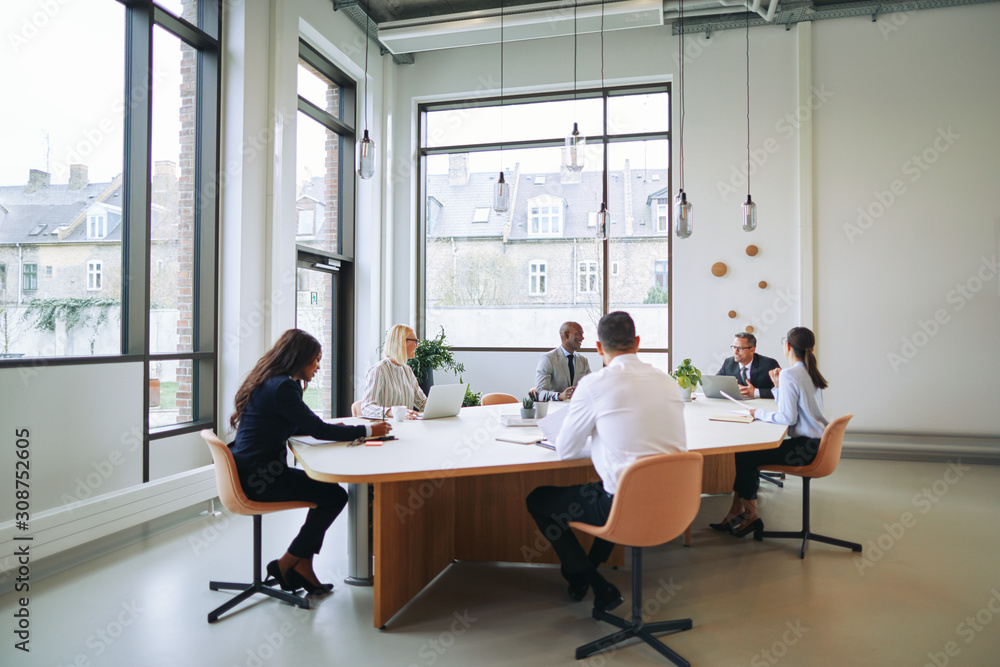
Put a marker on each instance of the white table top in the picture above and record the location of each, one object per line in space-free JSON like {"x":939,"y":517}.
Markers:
{"x":467,"y":445}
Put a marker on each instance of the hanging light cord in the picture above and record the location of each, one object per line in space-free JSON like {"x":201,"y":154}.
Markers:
{"x":574,"y":55}
{"x":681,"y":58}
{"x":368,"y":11}
{"x":501,"y":84}
{"x":748,"y":104}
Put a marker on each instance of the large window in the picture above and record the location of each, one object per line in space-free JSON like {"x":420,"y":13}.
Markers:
{"x":474,"y":265}
{"x":125,"y":98}
{"x":324,"y":207}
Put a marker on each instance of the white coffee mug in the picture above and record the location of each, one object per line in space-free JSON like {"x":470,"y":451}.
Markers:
{"x":399,"y":412}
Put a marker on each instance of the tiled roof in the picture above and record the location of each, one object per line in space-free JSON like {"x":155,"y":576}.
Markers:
{"x":451,"y":207}
{"x":54,"y":206}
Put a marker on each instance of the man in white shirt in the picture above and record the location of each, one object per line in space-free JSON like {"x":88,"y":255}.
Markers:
{"x":559,"y":370}
{"x":626,"y":410}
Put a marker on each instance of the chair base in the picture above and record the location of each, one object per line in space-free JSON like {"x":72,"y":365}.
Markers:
{"x":635,"y":627}
{"x":805,"y":536}
{"x":643,"y":631}
{"x":248,"y":590}
{"x":774,"y":478}
{"x":261,"y":586}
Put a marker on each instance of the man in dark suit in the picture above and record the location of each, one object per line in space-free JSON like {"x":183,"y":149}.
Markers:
{"x":751,"y":370}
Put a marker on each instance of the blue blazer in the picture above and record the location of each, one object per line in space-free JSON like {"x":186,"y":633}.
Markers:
{"x":274,"y":413}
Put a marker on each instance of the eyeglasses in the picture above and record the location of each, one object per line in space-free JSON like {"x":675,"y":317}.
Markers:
{"x":734,"y":348}
{"x":412,"y":340}
{"x":783,"y":340}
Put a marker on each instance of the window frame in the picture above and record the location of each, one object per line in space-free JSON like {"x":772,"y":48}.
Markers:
{"x":604,"y":139}
{"x":140,"y":18}
{"x":95,"y":268}
{"x":538,"y":269}
{"x":29,"y":276}
{"x":586,"y":269}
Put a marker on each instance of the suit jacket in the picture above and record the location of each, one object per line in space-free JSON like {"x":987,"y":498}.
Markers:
{"x":759,"y":369}
{"x":552,"y":373}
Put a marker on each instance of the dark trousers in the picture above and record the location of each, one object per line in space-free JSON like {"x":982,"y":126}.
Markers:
{"x":553,"y":507}
{"x":276,"y":482}
{"x":797,"y":451}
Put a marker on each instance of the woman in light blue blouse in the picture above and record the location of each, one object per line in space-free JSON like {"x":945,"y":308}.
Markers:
{"x":800,"y":408}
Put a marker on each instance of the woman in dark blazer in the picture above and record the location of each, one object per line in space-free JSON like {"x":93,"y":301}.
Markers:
{"x":269,"y":410}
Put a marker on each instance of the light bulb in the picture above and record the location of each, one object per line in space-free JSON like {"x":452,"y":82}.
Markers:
{"x":573,"y":151}
{"x":749,"y":215}
{"x":366,"y":157}
{"x":501,"y":195}
{"x":683,"y":216}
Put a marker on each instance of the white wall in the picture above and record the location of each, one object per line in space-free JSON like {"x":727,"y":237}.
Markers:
{"x":897,"y":95}
{"x":826,"y":138}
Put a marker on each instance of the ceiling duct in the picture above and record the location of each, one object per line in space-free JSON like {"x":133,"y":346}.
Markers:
{"x":550,"y":19}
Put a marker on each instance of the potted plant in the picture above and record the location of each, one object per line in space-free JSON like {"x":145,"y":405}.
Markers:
{"x":527,"y":408}
{"x":688,"y":377}
{"x":472,"y":398}
{"x":432,"y":354}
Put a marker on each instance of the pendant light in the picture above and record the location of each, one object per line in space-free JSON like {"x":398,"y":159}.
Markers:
{"x":749,"y":207}
{"x":501,"y":191}
{"x":683,"y":210}
{"x":603,"y":216}
{"x":575,"y":142}
{"x":366,"y":147}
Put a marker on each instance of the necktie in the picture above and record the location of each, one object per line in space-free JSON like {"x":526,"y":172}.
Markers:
{"x":743,"y":374}
{"x":572,"y":368}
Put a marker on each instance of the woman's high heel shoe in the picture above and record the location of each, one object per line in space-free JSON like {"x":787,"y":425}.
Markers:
{"x":274,"y":571}
{"x":727,"y":526}
{"x":756,"y":527}
{"x":297,"y":580}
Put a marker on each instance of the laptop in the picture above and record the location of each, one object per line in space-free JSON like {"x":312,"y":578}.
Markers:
{"x":444,"y":400}
{"x":716,"y":384}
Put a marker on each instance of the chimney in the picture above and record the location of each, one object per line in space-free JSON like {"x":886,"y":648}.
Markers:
{"x":37,"y":179}
{"x":78,"y":178}
{"x":458,"y":169}
{"x":165,"y":184}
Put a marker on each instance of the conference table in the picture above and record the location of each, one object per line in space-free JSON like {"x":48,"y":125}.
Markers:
{"x":448,"y":490}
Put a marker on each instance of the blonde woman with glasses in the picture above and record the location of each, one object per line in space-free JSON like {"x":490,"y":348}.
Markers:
{"x":391,"y":381}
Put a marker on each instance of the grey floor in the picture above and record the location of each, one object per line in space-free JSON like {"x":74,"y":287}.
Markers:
{"x":927,"y":592}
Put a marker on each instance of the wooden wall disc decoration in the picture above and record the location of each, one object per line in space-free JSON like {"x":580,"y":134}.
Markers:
{"x":749,"y":329}
{"x":732,"y":314}
{"x":752,"y":250}
{"x":719,"y":269}
{"x":762,"y":284}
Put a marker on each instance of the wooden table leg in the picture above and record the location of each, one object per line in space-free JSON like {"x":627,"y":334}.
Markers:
{"x":414,"y":540}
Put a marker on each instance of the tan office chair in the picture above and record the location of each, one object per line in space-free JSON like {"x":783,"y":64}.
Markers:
{"x":499,"y":399}
{"x":827,"y":458}
{"x":234,"y":500}
{"x":666,"y":487}
{"x":356,"y":409}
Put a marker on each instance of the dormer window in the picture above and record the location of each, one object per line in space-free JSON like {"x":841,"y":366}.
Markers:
{"x":662,"y":217}
{"x":545,"y":216}
{"x":97,"y":225}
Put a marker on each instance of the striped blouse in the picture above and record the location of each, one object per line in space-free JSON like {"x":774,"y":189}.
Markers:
{"x":387,"y":385}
